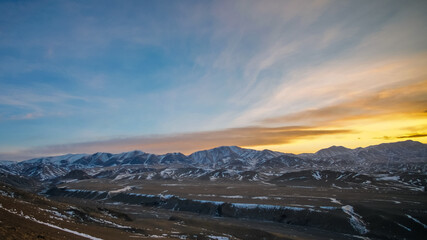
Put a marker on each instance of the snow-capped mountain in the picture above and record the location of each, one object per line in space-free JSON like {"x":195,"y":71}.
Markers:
{"x":57,"y":160}
{"x":231,"y":157}
{"x":399,"y":156}
{"x":333,"y":151}
{"x":284,"y":162}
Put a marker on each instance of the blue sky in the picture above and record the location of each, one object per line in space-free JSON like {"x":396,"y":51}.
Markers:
{"x":161,"y":76}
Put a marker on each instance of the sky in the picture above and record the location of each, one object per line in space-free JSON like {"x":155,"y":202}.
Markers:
{"x":181,"y":76}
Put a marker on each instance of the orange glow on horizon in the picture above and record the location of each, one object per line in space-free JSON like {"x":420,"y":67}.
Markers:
{"x":382,"y":129}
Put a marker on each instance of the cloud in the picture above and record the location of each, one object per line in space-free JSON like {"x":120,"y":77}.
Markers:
{"x":408,"y":136}
{"x":279,"y":64}
{"x":411,"y":98}
{"x":335,"y":83}
{"x":23,"y":103}
{"x":185,"y":142}
{"x":26,"y":116}
{"x":415,"y":135}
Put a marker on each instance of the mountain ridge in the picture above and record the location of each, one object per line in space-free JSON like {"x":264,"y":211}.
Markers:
{"x":232,"y":146}
{"x":405,"y":155}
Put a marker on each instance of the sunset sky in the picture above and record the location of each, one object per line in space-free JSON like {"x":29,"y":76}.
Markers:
{"x":181,"y":76}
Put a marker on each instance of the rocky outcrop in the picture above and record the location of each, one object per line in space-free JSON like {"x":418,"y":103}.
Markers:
{"x":333,"y":219}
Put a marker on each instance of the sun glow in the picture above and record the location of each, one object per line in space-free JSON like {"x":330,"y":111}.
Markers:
{"x":364,"y":132}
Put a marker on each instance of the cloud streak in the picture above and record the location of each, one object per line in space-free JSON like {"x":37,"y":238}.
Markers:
{"x":337,"y":82}
{"x":400,"y":99}
{"x":215,"y":73}
{"x":186,"y":142}
{"x":418,"y":135}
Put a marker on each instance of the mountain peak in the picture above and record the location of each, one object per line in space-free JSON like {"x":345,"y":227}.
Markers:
{"x":236,"y":158}
{"x":226,"y":148}
{"x":333,"y":151}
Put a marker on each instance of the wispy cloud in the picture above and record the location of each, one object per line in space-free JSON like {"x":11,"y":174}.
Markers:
{"x":208,"y":70}
{"x":401,"y":99}
{"x":337,"y":82}
{"x":25,"y":116}
{"x":417,"y":135}
{"x":255,"y":44}
{"x":186,"y":142}
{"x":47,"y":101}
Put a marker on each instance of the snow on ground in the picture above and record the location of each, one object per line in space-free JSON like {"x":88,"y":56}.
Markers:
{"x":338,"y":178}
{"x":203,"y":195}
{"x":156,"y":236}
{"x":59,"y":216}
{"x":206,"y":201}
{"x":355,"y":219}
{"x":70,"y":180}
{"x":261,"y":197}
{"x":235,"y":196}
{"x":167,"y":172}
{"x":408,"y":229}
{"x":106,"y":213}
{"x":416,"y":220}
{"x":7,"y":194}
{"x":218,"y":237}
{"x":109,"y":223}
{"x":389,"y":178}
{"x":266,"y":183}
{"x":124,"y":176}
{"x":128,"y":188}
{"x":166,"y":196}
{"x":386,"y":200}
{"x":307,"y":187}
{"x":328,"y":207}
{"x":335,"y":186}
{"x":265,"y":206}
{"x":334,"y":200}
{"x":150,"y":176}
{"x":51,"y":225}
{"x":316,"y":175}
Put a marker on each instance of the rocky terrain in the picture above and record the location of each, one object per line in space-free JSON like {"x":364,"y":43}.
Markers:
{"x":377,"y":192}
{"x":408,"y":156}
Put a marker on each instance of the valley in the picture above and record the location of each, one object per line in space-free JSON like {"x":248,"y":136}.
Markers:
{"x":357,"y":211}
{"x":213,"y":120}
{"x":222,"y":193}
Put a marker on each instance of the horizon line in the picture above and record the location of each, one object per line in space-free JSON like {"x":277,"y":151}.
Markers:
{"x":207,"y":149}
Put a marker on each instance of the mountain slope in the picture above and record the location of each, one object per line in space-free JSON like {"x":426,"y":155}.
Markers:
{"x":399,"y":156}
{"x":231,"y":157}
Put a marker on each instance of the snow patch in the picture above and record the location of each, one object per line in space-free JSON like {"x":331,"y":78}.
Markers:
{"x":317,"y":175}
{"x":355,"y":219}
{"x":235,"y":196}
{"x":7,"y":194}
{"x":218,"y":237}
{"x":263,"y":198}
{"x":206,"y":201}
{"x":205,"y":195}
{"x":59,"y":216}
{"x":51,"y":225}
{"x":128,"y":188}
{"x":156,"y":236}
{"x":416,"y":220}
{"x":328,"y":207}
{"x":265,"y":206}
{"x":389,"y":178}
{"x":334,"y":200}
{"x":103,"y":221}
{"x":400,"y":225}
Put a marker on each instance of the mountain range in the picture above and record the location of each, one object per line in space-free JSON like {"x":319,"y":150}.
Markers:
{"x":398,"y":156}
